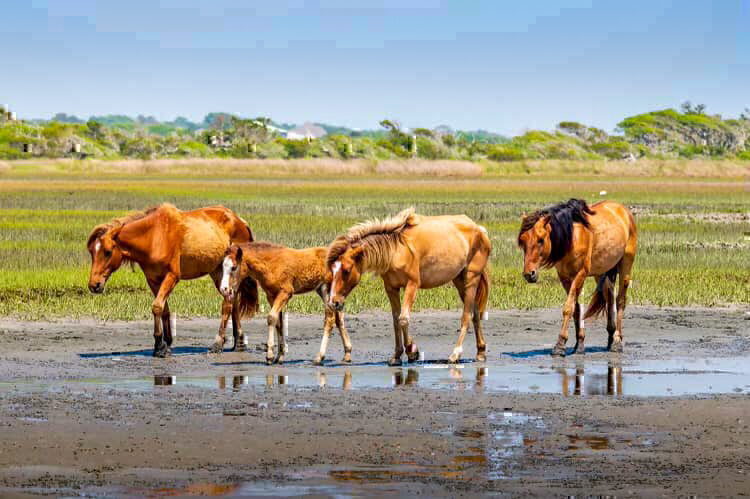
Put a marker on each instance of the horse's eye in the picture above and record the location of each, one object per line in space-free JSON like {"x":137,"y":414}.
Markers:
{"x":541,"y":241}
{"x":107,"y":253}
{"x":234,"y":268}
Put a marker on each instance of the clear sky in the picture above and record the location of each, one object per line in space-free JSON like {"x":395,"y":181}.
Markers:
{"x":500,"y":65}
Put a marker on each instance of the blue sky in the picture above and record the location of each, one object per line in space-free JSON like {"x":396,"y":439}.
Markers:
{"x":500,"y":65}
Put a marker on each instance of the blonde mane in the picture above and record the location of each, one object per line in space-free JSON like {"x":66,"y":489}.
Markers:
{"x":377,"y":238}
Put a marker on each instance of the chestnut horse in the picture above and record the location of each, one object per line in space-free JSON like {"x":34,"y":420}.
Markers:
{"x":582,"y":241}
{"x":416,"y":252}
{"x":170,"y":245}
{"x":283,"y":272}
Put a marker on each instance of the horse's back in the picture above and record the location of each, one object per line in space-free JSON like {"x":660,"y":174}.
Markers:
{"x":443,"y":245}
{"x":613,"y":227}
{"x":206,"y":236}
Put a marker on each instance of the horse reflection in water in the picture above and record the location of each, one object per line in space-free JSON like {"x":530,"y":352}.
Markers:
{"x":597,"y":386}
{"x":482,"y":373}
{"x":346,"y":383}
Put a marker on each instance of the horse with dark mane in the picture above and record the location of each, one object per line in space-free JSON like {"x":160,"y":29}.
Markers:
{"x":412,"y":252}
{"x":579,"y":241}
{"x":170,"y":245}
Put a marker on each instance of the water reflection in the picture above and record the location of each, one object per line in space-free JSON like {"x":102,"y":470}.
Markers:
{"x":165,"y":380}
{"x":346,"y":382}
{"x":411,"y":378}
{"x":596,"y":384}
{"x":570,"y":380}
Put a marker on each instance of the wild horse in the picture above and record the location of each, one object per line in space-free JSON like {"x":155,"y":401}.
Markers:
{"x":170,"y":245}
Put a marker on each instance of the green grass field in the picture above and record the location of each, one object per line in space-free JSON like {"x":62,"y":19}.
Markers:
{"x":693,"y":245}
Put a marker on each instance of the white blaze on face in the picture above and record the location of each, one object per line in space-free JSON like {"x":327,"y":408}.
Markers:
{"x":336,"y":268}
{"x":225,"y":274}
{"x":97,"y":247}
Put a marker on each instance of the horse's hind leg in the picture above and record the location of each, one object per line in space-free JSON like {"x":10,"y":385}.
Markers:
{"x":471,"y":282}
{"x":281,"y":330}
{"x":609,"y":299}
{"x":279,"y":302}
{"x":479,"y":333}
{"x":625,"y":268}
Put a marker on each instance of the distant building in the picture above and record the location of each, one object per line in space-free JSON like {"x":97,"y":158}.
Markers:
{"x":306,"y":131}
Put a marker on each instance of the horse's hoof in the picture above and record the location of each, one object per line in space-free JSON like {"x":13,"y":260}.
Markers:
{"x":394,"y":361}
{"x":162,"y":352}
{"x":239,"y":347}
{"x":558,"y":351}
{"x":413,"y":356}
{"x":453,"y":359}
{"x":481,"y":357}
{"x":616,"y":347}
{"x":347,"y":359}
{"x":216,"y":348}
{"x":579,"y":349}
{"x":318,"y":360}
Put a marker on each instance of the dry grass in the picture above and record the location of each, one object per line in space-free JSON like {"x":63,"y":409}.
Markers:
{"x":693,"y":168}
{"x":250,"y":167}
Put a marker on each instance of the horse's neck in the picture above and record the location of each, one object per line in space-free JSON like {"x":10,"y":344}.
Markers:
{"x":136,"y":238}
{"x":255,"y":266}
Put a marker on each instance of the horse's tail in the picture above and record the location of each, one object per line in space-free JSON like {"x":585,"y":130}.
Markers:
{"x":603,"y":293}
{"x":248,"y":302}
{"x":483,"y":292}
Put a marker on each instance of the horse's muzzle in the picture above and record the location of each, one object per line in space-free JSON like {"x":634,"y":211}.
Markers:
{"x":97,"y":288}
{"x":531,"y":277}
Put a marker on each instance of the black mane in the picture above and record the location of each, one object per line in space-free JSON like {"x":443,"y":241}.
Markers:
{"x":561,"y":219}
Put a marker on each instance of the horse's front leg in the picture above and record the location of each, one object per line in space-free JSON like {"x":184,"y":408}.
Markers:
{"x":221,"y":337}
{"x":410,"y":294}
{"x":240,"y":343}
{"x":161,"y":349}
{"x":278,"y":301}
{"x":395,"y":299}
{"x":166,"y":323}
{"x":328,"y":323}
{"x":574,"y":289}
{"x":339,"y":316}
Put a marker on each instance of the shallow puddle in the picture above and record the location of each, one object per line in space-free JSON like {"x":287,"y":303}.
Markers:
{"x":569,"y":378}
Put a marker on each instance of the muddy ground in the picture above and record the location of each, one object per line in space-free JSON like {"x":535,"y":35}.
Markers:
{"x":86,"y":410}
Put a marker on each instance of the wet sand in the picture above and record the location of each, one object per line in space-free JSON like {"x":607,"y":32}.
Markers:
{"x":86,"y":410}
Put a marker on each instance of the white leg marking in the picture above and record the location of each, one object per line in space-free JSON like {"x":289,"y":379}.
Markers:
{"x":458,"y":351}
{"x":173,"y":324}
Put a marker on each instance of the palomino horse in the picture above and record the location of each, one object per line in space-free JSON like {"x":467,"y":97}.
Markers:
{"x":282,"y":273}
{"x":416,"y":252}
{"x":170,"y":245}
{"x":581,"y":241}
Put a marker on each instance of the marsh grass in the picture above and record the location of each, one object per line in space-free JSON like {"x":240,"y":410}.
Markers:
{"x":44,"y":221}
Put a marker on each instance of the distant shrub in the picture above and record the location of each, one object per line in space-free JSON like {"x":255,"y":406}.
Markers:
{"x":745,"y":155}
{"x":505,"y":153}
{"x":193,"y":148}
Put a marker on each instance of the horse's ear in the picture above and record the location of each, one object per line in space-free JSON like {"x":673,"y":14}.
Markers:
{"x":98,"y":232}
{"x":114,"y":233}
